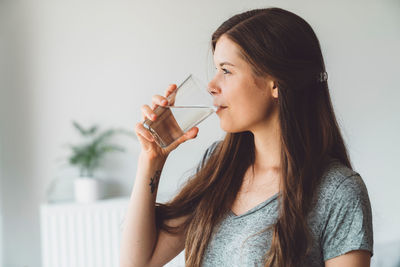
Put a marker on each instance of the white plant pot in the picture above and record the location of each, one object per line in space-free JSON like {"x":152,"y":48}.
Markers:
{"x":87,"y":189}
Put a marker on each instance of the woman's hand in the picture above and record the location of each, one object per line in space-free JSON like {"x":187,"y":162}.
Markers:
{"x":149,"y":146}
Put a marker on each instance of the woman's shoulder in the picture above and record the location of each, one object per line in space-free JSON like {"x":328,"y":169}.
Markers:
{"x":207,"y":154}
{"x":210,"y":150}
{"x":342,"y":215}
{"x":341,"y":189}
{"x":338,"y":178}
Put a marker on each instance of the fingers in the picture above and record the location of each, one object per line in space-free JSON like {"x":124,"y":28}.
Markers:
{"x":171,"y":88}
{"x":148,"y":113}
{"x":170,"y":94}
{"x":142,"y":133}
{"x":192,"y":133}
{"x":158,"y":100}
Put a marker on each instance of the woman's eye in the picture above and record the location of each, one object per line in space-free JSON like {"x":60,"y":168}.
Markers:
{"x":225,"y":71}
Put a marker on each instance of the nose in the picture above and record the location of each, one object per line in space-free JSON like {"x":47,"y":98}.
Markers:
{"x":212,"y":88}
{"x":212,"y":91}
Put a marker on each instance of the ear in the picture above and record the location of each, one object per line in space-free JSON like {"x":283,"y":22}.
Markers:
{"x":274,"y":89}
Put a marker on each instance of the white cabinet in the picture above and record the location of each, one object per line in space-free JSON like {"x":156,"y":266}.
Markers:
{"x":82,"y":235}
{"x":85,"y":235}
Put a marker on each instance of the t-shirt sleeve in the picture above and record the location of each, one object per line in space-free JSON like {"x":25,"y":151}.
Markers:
{"x":349,"y":220}
{"x":207,"y":154}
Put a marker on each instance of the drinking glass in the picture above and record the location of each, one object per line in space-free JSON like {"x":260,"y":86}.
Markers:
{"x":188,"y":105}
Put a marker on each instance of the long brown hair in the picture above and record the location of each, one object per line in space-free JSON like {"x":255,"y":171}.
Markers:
{"x":280,"y":44}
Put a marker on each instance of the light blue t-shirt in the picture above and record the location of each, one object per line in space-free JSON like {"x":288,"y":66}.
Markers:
{"x":340,"y":221}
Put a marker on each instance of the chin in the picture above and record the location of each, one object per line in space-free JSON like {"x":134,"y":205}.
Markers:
{"x":231,"y":128}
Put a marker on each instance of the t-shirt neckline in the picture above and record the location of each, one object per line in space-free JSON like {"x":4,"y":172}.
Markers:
{"x":255,"y":208}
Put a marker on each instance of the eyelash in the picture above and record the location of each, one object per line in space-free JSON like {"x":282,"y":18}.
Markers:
{"x":225,"y":71}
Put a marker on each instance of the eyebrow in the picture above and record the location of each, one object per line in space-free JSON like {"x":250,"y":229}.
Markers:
{"x":226,"y":63}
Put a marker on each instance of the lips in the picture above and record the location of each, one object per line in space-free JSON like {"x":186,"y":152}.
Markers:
{"x":219,"y":105}
{"x":220,"y":108}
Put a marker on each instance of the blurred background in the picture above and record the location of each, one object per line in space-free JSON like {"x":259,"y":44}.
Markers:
{"x":98,"y":62}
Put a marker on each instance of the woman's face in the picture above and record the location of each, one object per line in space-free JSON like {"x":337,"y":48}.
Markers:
{"x":245,"y":102}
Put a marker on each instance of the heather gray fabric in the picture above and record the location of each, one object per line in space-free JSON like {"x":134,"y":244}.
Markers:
{"x":340,"y":221}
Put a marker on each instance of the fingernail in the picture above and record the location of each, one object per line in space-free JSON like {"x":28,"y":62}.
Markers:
{"x":153,"y":116}
{"x":164,"y":102}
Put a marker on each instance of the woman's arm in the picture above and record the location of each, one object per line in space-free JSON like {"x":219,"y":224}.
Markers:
{"x":355,"y":258}
{"x":140,"y":237}
{"x":140,"y":234}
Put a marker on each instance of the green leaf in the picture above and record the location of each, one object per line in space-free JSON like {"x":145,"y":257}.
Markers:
{"x":79,"y":128}
{"x":87,"y":156}
{"x":102,"y":137}
{"x":93,"y":130}
{"x":84,"y":132}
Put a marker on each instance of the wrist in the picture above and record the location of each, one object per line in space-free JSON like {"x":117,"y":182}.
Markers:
{"x":154,"y":158}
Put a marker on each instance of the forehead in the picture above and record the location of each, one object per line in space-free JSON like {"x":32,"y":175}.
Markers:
{"x":227,"y":50}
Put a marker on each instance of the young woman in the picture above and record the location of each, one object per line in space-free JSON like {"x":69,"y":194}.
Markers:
{"x":279,"y":190}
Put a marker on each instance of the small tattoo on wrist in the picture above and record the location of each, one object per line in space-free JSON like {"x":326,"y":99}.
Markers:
{"x":154,"y":181}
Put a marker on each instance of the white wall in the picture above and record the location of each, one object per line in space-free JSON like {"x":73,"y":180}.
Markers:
{"x":2,"y":84}
{"x":4,"y":20}
{"x":100,"y":61}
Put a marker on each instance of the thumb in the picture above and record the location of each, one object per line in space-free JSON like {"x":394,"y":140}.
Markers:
{"x":191,"y":134}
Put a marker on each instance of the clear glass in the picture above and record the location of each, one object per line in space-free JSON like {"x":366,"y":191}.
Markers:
{"x":189,"y":105}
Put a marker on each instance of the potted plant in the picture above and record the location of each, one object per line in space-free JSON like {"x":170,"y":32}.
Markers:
{"x":87,"y":157}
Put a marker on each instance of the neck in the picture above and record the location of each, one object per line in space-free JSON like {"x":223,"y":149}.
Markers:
{"x":267,"y":168}
{"x":267,"y":142}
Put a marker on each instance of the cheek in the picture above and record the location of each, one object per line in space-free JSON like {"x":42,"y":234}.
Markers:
{"x":241,"y":114}
{"x":250,"y":105}
{"x":247,"y":105}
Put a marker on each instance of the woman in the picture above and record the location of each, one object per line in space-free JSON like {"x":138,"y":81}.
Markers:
{"x":279,"y":190}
